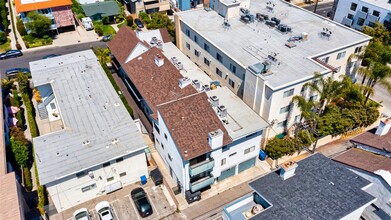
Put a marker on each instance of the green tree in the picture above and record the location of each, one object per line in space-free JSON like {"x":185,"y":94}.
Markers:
{"x":20,"y":152}
{"x":38,"y":24}
{"x":105,"y":20}
{"x":23,"y":82}
{"x":379,"y":74}
{"x":21,"y":29}
{"x":129,"y":20}
{"x":103,"y":54}
{"x":3,"y":38}
{"x":378,"y":32}
{"x":306,"y":108}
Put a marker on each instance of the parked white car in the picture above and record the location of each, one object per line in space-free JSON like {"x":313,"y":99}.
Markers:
{"x":82,"y":214}
{"x":104,"y":211}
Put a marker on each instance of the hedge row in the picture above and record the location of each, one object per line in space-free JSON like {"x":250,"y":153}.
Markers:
{"x":30,"y":115}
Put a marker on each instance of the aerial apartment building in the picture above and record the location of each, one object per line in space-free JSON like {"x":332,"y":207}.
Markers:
{"x":265,"y":51}
{"x":89,"y":145}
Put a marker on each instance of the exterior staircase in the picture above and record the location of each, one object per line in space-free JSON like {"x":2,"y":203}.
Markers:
{"x":42,"y":112}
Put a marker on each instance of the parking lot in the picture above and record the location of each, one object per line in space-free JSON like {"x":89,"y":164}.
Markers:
{"x":123,"y":206}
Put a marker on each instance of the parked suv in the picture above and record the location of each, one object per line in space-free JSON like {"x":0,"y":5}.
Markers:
{"x":141,"y":201}
{"x":139,"y":23}
{"x":11,"y":53}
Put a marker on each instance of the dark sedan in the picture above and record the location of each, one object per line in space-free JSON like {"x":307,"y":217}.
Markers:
{"x":141,"y":201}
{"x":11,"y":53}
{"x":139,"y":23}
{"x":50,"y":56}
{"x":11,"y":73}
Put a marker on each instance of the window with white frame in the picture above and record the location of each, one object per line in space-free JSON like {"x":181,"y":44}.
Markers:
{"x":288,"y":93}
{"x":197,"y":53}
{"x":223,"y":161}
{"x":341,"y":55}
{"x":248,"y":150}
{"x":187,"y":45}
{"x":281,"y":124}
{"x":231,"y":83}
{"x":285,"y":109}
{"x":89,"y":187}
{"x":206,"y":61}
{"x":218,"y":72}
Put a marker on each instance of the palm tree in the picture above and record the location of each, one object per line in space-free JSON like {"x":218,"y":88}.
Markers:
{"x":103,"y":55}
{"x":350,"y":91}
{"x":306,"y":108}
{"x":379,"y":74}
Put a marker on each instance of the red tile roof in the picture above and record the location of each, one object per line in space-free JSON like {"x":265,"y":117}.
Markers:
{"x":364,"y":160}
{"x":33,"y":6}
{"x":189,"y":121}
{"x":156,"y":85}
{"x":123,"y":43}
{"x":10,"y":207}
{"x":370,"y":139}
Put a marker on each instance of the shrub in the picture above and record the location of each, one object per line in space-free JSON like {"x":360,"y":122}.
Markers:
{"x":7,"y":85}
{"x":99,"y":29}
{"x":3,"y":38}
{"x":105,"y":20}
{"x":80,"y":16}
{"x":18,"y":134}
{"x":30,"y":115}
{"x":144,"y":17}
{"x":15,"y":100}
{"x":129,"y":20}
{"x":27,"y":179}
{"x":20,"y":118}
{"x":18,"y":46}
{"x":21,"y":29}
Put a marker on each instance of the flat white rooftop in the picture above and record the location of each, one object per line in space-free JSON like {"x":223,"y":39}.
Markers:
{"x":241,"y":119}
{"x":379,"y":3}
{"x":248,"y":44}
{"x":97,"y":127}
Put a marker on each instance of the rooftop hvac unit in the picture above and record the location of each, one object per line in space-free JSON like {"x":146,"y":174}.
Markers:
{"x":197,"y":84}
{"x":183,"y":82}
{"x":91,"y":174}
{"x":174,"y":60}
{"x":278,"y":21}
{"x":206,"y":87}
{"x":159,"y":45}
{"x":215,"y":101}
{"x":271,"y":23}
{"x":223,"y":111}
{"x":179,"y":65}
{"x":284,"y":28}
{"x":244,"y":10}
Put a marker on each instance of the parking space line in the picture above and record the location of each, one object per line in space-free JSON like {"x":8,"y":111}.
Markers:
{"x":153,"y":206}
{"x":131,"y":202}
{"x":112,"y":207}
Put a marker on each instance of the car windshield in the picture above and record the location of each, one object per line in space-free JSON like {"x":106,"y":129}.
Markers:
{"x":144,"y":205}
{"x":105,"y":213}
{"x":81,"y":215}
{"x":104,"y":210}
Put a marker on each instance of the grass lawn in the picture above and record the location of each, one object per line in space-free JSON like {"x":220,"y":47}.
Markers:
{"x":6,"y":46}
{"x":32,"y":41}
{"x":107,"y":29}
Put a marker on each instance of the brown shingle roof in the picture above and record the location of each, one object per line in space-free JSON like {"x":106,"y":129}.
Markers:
{"x":165,"y":35}
{"x":364,"y":160}
{"x":123,"y":43}
{"x":9,"y":197}
{"x":189,"y":121}
{"x":156,"y":85}
{"x":370,"y":139}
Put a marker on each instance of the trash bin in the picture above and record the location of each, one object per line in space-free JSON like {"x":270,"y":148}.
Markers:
{"x":262,"y":155}
{"x":143,"y":180}
{"x":156,"y":176}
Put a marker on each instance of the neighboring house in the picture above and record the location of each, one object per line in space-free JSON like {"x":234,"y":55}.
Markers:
{"x":13,"y":205}
{"x":313,"y":188}
{"x":89,"y":144}
{"x":186,"y":108}
{"x":376,"y":140}
{"x":359,"y":13}
{"x":59,"y":11}
{"x":376,"y":169}
{"x":267,"y":63}
{"x":149,"y":6}
{"x":97,"y":10}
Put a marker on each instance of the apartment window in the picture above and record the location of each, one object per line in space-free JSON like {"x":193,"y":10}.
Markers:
{"x":231,"y":83}
{"x":119,"y":159}
{"x":81,"y":174}
{"x":187,"y":32}
{"x":110,"y":179}
{"x":157,"y":141}
{"x":219,"y":57}
{"x":357,"y":50}
{"x":337,"y":69}
{"x":218,"y":72}
{"x":206,"y":61}
{"x":297,"y":118}
{"x":233,"y":154}
{"x":350,"y":16}
{"x":169,"y":157}
{"x":248,"y":150}
{"x":188,"y":46}
{"x":341,"y":55}
{"x":52,"y":106}
{"x":371,"y":24}
{"x":122,"y":174}
{"x":326,"y":59}
{"x":195,"y":39}
{"x":106,"y":164}
{"x":162,"y":145}
{"x":376,"y":13}
{"x":364,"y":9}
{"x":197,"y":53}
{"x":223,"y":161}
{"x":232,"y":68}
{"x":85,"y":189}
{"x":43,"y":11}
{"x":281,"y":124}
{"x":288,"y":93}
{"x":360,"y":22}
{"x":285,"y":109}
{"x":165,"y":136}
{"x":206,"y":47}
{"x":353,"y":6}
{"x":157,"y":129}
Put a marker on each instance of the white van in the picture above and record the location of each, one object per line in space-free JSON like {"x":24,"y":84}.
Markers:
{"x":87,"y":23}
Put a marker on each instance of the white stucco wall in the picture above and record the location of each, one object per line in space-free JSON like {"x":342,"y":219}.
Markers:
{"x":66,"y":192}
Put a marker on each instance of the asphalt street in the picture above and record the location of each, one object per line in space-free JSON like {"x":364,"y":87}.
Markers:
{"x":33,"y":55}
{"x":322,"y":9}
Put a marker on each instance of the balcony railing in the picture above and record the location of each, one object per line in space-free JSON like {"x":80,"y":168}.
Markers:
{"x":202,"y":183}
{"x":201,"y":167}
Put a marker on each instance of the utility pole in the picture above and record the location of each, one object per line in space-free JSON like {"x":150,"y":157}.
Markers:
{"x":316,"y":5}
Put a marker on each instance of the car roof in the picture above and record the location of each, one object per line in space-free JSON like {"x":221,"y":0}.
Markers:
{"x":101,"y":205}
{"x":137,"y":190}
{"x":80,"y":210}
